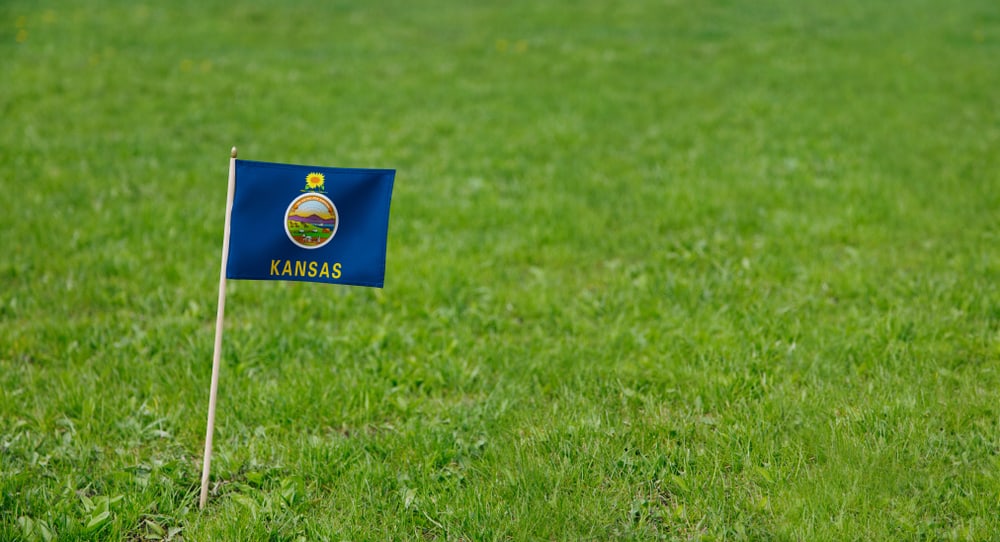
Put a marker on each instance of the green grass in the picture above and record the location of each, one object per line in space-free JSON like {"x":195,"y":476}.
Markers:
{"x":656,"y":270}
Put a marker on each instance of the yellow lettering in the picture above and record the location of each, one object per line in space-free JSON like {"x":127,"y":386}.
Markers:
{"x":312,"y":269}
{"x":287,"y":269}
{"x":336,"y":270}
{"x":274,"y":267}
{"x":300,"y":268}
{"x":324,"y":271}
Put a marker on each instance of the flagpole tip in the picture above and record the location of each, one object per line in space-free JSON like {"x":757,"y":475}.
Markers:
{"x":232,"y":153}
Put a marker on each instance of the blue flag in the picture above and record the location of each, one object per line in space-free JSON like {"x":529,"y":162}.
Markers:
{"x":306,"y":223}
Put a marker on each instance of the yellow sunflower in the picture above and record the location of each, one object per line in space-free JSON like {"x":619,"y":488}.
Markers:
{"x":315,"y":180}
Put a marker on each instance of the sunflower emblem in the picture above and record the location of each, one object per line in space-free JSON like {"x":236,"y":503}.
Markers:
{"x":314,"y":182}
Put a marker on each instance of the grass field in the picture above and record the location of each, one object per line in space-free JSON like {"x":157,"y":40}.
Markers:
{"x":656,"y":270}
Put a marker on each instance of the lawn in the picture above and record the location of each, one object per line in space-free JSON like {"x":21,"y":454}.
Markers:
{"x":656,"y":270}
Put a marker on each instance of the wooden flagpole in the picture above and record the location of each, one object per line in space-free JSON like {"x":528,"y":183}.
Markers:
{"x":219,"y":317}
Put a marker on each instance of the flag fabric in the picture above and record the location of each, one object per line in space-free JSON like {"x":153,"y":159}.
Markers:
{"x":307,"y":223}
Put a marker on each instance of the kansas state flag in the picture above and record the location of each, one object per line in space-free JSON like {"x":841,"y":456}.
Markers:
{"x":306,"y":223}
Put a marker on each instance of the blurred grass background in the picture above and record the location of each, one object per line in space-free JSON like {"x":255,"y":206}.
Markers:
{"x":717,"y":270}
